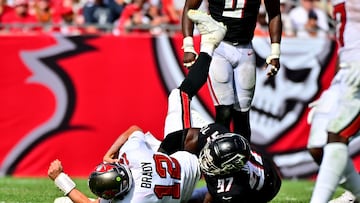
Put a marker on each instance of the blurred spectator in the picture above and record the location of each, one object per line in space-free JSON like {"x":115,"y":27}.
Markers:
{"x":285,"y":7}
{"x":311,"y":28}
{"x":19,"y":14}
{"x":169,"y":11}
{"x":300,"y":14}
{"x":140,"y":16}
{"x":4,"y":9}
{"x":116,"y":7}
{"x":96,"y":12}
{"x":262,"y":23}
{"x":43,"y":11}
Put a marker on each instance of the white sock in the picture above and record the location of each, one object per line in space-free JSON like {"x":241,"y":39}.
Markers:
{"x":352,"y":182}
{"x":331,"y":170}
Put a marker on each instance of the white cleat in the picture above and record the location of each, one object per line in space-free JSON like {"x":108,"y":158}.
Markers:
{"x":212,"y":31}
{"x":346,"y":197}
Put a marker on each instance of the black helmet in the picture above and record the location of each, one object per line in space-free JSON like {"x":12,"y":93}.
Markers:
{"x":109,"y":180}
{"x":224,"y":154}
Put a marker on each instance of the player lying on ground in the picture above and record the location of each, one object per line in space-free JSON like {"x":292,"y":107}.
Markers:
{"x":139,"y":176}
{"x":256,"y":181}
{"x":234,"y":172}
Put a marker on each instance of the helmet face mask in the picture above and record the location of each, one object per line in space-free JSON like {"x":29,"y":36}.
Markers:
{"x":225,"y":154}
{"x":110,"y":180}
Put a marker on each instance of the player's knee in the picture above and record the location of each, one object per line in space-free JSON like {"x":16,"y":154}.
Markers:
{"x":248,"y":70}
{"x":220,"y":74}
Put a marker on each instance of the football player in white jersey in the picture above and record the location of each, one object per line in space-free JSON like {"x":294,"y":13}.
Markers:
{"x":139,"y":174}
{"x":335,"y":116}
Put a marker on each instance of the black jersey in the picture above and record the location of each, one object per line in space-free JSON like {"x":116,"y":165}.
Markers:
{"x":258,"y":182}
{"x":239,"y":16}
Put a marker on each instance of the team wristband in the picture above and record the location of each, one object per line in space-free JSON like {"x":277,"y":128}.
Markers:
{"x":275,"y":49}
{"x":64,"y":183}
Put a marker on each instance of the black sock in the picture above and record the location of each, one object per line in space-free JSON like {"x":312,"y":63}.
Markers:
{"x":197,"y":75}
{"x":242,"y":124}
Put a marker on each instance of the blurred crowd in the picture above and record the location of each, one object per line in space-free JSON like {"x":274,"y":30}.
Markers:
{"x":302,"y":18}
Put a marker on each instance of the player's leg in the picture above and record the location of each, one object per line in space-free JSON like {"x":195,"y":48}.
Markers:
{"x":179,"y":111}
{"x":244,"y":82}
{"x":242,"y":123}
{"x":336,"y":161}
{"x":322,"y":110}
{"x":212,"y":32}
{"x":220,"y":83}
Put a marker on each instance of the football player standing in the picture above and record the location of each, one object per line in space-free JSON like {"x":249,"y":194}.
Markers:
{"x":335,"y":117}
{"x":232,"y":74}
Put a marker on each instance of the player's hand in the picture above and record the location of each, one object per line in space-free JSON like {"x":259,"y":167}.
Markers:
{"x":189,"y":59}
{"x":272,"y":65}
{"x":272,"y":61}
{"x":110,"y":158}
{"x":55,"y":169}
{"x":190,"y":55}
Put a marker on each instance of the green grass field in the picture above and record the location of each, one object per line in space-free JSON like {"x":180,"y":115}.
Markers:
{"x":43,"y":190}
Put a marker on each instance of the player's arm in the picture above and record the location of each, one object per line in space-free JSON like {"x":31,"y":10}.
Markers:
{"x":66,"y":184}
{"x":112,"y":153}
{"x":275,"y":30}
{"x":187,"y":27}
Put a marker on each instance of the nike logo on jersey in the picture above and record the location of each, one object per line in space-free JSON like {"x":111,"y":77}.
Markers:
{"x":226,"y":198}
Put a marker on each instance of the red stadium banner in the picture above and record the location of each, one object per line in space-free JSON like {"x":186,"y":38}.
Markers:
{"x":69,"y":97}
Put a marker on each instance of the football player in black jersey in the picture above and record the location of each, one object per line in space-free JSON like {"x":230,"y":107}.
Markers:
{"x":232,"y":69}
{"x":234,"y":172}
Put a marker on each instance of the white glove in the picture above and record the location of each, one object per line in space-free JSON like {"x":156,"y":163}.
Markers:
{"x":188,"y":46}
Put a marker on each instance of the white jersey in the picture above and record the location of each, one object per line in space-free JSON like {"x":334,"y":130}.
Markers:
{"x":338,"y":108}
{"x":158,"y":178}
{"x":347,"y":17}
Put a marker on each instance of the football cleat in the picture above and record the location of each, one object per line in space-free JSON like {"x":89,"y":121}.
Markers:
{"x":212,"y":31}
{"x":346,"y":197}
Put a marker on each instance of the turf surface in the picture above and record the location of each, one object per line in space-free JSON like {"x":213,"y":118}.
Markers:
{"x":43,"y":190}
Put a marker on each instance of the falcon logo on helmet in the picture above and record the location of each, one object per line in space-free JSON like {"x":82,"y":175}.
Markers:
{"x":110,"y":180}
{"x":225,"y":154}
